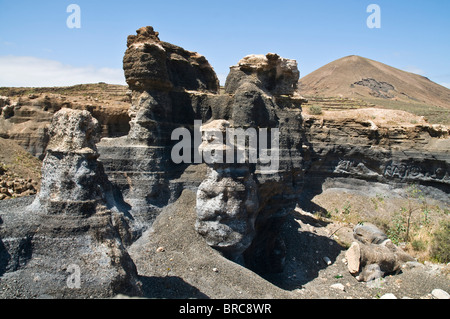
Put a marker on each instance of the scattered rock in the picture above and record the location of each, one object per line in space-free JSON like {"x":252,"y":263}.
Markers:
{"x":160,"y":249}
{"x":327,"y":260}
{"x":388,"y":296}
{"x":374,"y":254}
{"x":338,"y":287}
{"x":440,"y":294}
{"x":353,"y":256}
{"x":368,"y":233}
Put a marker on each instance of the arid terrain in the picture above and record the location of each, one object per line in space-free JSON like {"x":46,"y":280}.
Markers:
{"x":354,"y":81}
{"x":371,"y":146}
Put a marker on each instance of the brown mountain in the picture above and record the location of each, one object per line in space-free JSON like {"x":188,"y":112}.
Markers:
{"x":381,"y":85}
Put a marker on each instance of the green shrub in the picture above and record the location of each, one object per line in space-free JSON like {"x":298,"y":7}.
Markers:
{"x":396,"y":229}
{"x":315,"y":110}
{"x":440,"y":247}
{"x":419,"y":245}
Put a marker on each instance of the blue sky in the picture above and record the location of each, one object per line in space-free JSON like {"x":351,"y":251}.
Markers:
{"x":38,"y":49}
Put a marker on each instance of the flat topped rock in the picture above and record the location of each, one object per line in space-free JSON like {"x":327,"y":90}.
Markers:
{"x":275,"y":74}
{"x":73,"y":131}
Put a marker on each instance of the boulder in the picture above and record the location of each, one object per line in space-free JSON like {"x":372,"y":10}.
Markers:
{"x":373,"y":255}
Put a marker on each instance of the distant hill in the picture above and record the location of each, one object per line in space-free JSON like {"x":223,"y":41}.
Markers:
{"x":380,"y":85}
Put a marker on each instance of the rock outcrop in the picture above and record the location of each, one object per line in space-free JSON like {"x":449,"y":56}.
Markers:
{"x":170,"y":88}
{"x":68,"y":242}
{"x":277,"y":75}
{"x":260,"y":96}
{"x":373,"y":255}
{"x":367,"y":149}
{"x":227,"y":199}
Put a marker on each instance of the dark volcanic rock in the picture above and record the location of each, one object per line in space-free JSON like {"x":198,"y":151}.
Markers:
{"x":227,"y":199}
{"x":260,"y":96}
{"x":395,"y":155}
{"x":171,"y":87}
{"x":273,"y":73}
{"x":67,"y":243}
{"x":379,"y":89}
{"x":151,"y":64}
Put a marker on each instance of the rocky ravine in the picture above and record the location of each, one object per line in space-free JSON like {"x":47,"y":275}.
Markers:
{"x":130,"y":220}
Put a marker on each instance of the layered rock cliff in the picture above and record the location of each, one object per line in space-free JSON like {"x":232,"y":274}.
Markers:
{"x":377,"y":146}
{"x":170,"y":87}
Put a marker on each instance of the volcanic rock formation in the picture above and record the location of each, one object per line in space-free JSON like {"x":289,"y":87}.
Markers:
{"x":227,"y":200}
{"x":68,"y":242}
{"x":372,"y":254}
{"x":369,"y":154}
{"x":99,"y":199}
{"x":169,"y":86}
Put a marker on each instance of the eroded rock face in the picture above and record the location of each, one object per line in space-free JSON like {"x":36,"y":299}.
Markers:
{"x":155,"y":71}
{"x":275,"y":74}
{"x":227,"y":199}
{"x":170,"y":88}
{"x":71,"y":175}
{"x":151,"y":64}
{"x":73,"y":230}
{"x":260,"y":96}
{"x":345,"y":153}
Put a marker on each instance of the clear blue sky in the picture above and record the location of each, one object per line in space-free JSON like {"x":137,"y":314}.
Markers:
{"x":36,"y":44}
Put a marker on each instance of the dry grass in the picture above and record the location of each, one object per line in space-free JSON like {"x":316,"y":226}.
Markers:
{"x":390,"y":213}
{"x":433,"y":114}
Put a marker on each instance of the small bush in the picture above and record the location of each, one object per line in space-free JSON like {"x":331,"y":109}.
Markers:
{"x":315,"y":110}
{"x":396,"y":229}
{"x":440,"y":249}
{"x":419,"y":245}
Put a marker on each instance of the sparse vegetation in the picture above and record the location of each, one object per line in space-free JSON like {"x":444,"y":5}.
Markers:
{"x":315,"y":110}
{"x":440,"y":247}
{"x":412,"y":221}
{"x":433,"y":114}
{"x":397,"y":228}
{"x":420,"y":227}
